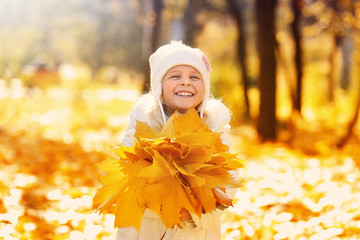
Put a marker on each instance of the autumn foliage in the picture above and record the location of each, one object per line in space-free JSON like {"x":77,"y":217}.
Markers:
{"x":183,"y":166}
{"x":301,"y":187}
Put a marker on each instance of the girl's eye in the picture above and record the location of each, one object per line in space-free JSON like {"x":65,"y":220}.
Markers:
{"x":194,"y":77}
{"x":175,"y":76}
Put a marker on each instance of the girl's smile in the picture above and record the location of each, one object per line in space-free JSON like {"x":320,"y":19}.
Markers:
{"x":185,"y":94}
{"x":182,"y":89}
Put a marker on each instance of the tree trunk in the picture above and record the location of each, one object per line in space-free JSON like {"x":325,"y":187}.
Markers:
{"x":335,"y":6}
{"x":235,"y":8}
{"x":151,"y":34}
{"x":265,"y":14}
{"x":295,"y":26}
{"x":344,"y":139}
{"x":331,"y":73}
{"x":191,"y":26}
{"x":346,"y":47}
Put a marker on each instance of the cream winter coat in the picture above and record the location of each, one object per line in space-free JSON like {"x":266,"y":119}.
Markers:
{"x":207,"y":227}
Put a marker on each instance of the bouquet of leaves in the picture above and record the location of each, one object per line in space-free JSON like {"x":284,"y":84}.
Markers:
{"x":185,"y":165}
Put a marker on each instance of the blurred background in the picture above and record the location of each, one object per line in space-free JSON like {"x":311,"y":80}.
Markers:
{"x":289,"y":71}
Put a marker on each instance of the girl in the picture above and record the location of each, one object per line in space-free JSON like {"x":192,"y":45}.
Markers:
{"x":179,"y":82}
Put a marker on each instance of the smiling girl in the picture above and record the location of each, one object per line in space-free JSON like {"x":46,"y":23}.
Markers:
{"x":182,"y":89}
{"x":179,"y":81}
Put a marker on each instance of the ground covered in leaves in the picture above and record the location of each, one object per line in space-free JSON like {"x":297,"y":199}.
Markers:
{"x":50,"y":140}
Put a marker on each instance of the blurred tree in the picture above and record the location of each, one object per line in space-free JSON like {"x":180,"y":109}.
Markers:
{"x":336,"y":32}
{"x":345,"y":10}
{"x":192,"y":27}
{"x":349,"y":130}
{"x":265,"y":15}
{"x":332,"y":66}
{"x":340,"y":26}
{"x":188,"y":17}
{"x":152,"y":15}
{"x":296,"y":32}
{"x":112,"y":44}
{"x":346,"y":46}
{"x":235,"y":8}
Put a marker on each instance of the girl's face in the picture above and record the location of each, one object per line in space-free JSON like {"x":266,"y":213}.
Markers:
{"x":182,"y":89}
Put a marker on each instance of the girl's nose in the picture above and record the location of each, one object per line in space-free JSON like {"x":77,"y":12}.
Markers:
{"x":185,"y":82}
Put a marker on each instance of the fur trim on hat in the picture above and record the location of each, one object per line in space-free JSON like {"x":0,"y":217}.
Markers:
{"x":217,"y":115}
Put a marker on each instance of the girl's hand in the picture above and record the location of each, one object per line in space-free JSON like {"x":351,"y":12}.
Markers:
{"x":185,"y":215}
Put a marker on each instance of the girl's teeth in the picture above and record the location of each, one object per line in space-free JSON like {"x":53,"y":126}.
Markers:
{"x":184,"y":94}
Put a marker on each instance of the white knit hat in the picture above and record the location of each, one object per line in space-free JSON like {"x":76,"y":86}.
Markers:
{"x":174,"y":54}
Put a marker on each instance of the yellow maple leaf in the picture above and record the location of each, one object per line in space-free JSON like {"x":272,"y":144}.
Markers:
{"x":123,"y":186}
{"x":165,"y":186}
{"x":182,"y":166}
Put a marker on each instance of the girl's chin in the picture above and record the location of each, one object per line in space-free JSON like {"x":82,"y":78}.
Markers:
{"x":183,"y":110}
{"x":180,"y":109}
